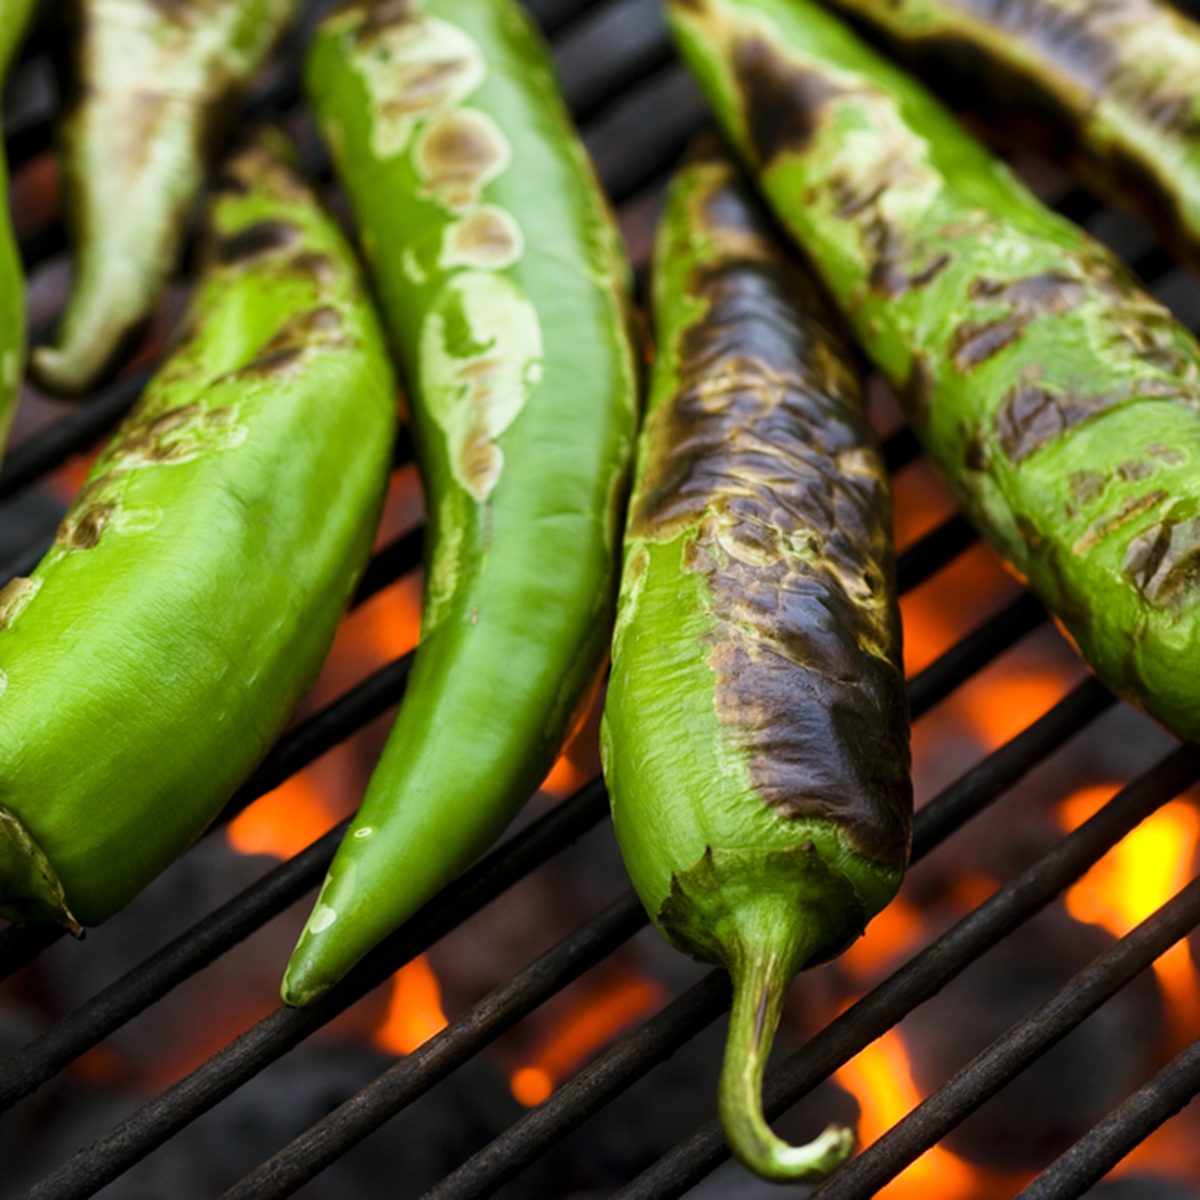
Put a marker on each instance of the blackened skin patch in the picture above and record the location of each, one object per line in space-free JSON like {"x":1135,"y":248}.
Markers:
{"x":257,"y":240}
{"x":764,"y":452}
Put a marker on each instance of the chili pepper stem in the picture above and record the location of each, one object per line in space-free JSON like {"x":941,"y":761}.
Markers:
{"x":761,"y":974}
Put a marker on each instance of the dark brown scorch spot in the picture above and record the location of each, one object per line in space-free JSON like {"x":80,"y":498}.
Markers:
{"x":255,"y":241}
{"x":765,"y":445}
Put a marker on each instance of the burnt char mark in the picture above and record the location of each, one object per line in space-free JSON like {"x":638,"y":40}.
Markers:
{"x":783,"y":100}
{"x":311,"y":328}
{"x":380,"y":15}
{"x":257,"y":240}
{"x":83,"y":528}
{"x":1163,"y":563}
{"x":1032,"y":417}
{"x":765,"y":452}
{"x":1087,"y":43}
{"x":1047,"y":294}
{"x":1105,"y":526}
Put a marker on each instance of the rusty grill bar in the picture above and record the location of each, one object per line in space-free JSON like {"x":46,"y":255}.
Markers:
{"x":637,"y":110}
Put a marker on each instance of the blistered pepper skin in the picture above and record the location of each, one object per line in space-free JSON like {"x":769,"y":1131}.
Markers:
{"x":194,"y":586}
{"x":154,"y":84}
{"x":1061,"y":402}
{"x":1119,"y":80}
{"x":505,"y":291}
{"x":14,"y":17}
{"x":755,"y":732}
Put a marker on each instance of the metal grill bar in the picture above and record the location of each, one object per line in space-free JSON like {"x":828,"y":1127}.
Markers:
{"x":1099,"y":1150}
{"x":929,"y":971}
{"x":39,"y":1061}
{"x":690,"y":1013}
{"x":631,"y":153}
{"x":1012,"y":1052}
{"x":277,"y":1033}
{"x":415,"y":1074}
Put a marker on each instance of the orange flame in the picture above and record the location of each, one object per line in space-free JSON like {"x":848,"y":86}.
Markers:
{"x":881,"y":1080}
{"x":1140,"y":874}
{"x":604,"y":1014}
{"x":892,"y":933}
{"x":283,"y":822}
{"x":414,"y":1012}
{"x":1006,"y":703}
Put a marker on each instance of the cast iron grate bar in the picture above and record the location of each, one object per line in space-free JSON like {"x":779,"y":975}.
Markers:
{"x":373,"y":1105}
{"x":1014,"y":1050}
{"x":227,"y":1070}
{"x":1099,"y":1150}
{"x":632,"y":155}
{"x":930,"y":970}
{"x":277,"y":1033}
{"x":416,"y":1073}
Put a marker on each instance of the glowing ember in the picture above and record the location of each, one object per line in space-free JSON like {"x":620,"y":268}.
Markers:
{"x":415,"y":1010}
{"x":881,"y":1080}
{"x":584,"y":1029}
{"x":1137,"y":876}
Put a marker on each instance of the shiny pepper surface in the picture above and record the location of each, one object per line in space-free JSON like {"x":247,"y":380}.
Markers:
{"x":756,"y":730}
{"x":1118,"y":82}
{"x":14,"y":16}
{"x":153,"y":86}
{"x":194,"y":587}
{"x":505,"y":291}
{"x":1061,"y":401}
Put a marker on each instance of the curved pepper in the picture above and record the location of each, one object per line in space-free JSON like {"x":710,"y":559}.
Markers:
{"x":505,"y":290}
{"x":194,"y":586}
{"x":755,"y":734}
{"x":155,"y":84}
{"x":1061,"y":402}
{"x":1119,"y":80}
{"x":13,"y":20}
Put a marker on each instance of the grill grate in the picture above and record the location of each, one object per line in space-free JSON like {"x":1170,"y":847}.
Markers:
{"x":638,"y":110}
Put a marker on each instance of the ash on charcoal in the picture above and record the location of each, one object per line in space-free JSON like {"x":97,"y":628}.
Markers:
{"x":1066,"y":1091}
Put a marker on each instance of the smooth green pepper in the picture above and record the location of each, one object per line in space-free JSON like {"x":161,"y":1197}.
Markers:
{"x":755,"y":734}
{"x":194,"y":586}
{"x":155,"y":84}
{"x":14,"y":17}
{"x":1061,"y":402}
{"x":1119,"y":82}
{"x":505,"y":291}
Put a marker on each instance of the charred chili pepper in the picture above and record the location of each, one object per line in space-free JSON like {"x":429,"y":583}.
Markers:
{"x":755,"y":734}
{"x":14,"y":16}
{"x":1118,"y":79}
{"x":155,"y":82}
{"x":194,"y":586}
{"x":505,"y":290}
{"x":1062,"y":402}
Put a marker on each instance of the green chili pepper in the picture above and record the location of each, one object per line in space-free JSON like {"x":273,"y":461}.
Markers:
{"x":755,"y":734}
{"x":155,"y":83}
{"x":195,"y":585}
{"x":14,"y":16}
{"x":1062,"y":402}
{"x":1119,"y":81}
{"x":505,"y":289}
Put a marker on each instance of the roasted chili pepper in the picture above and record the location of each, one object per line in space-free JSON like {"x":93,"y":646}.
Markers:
{"x":1061,"y":402}
{"x":14,"y":16}
{"x":193,"y":589}
{"x":1116,"y":80}
{"x":755,"y":733}
{"x":505,"y":289}
{"x":154,"y":85}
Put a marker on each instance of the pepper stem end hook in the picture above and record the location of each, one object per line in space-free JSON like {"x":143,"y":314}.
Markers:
{"x":760,"y":982}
